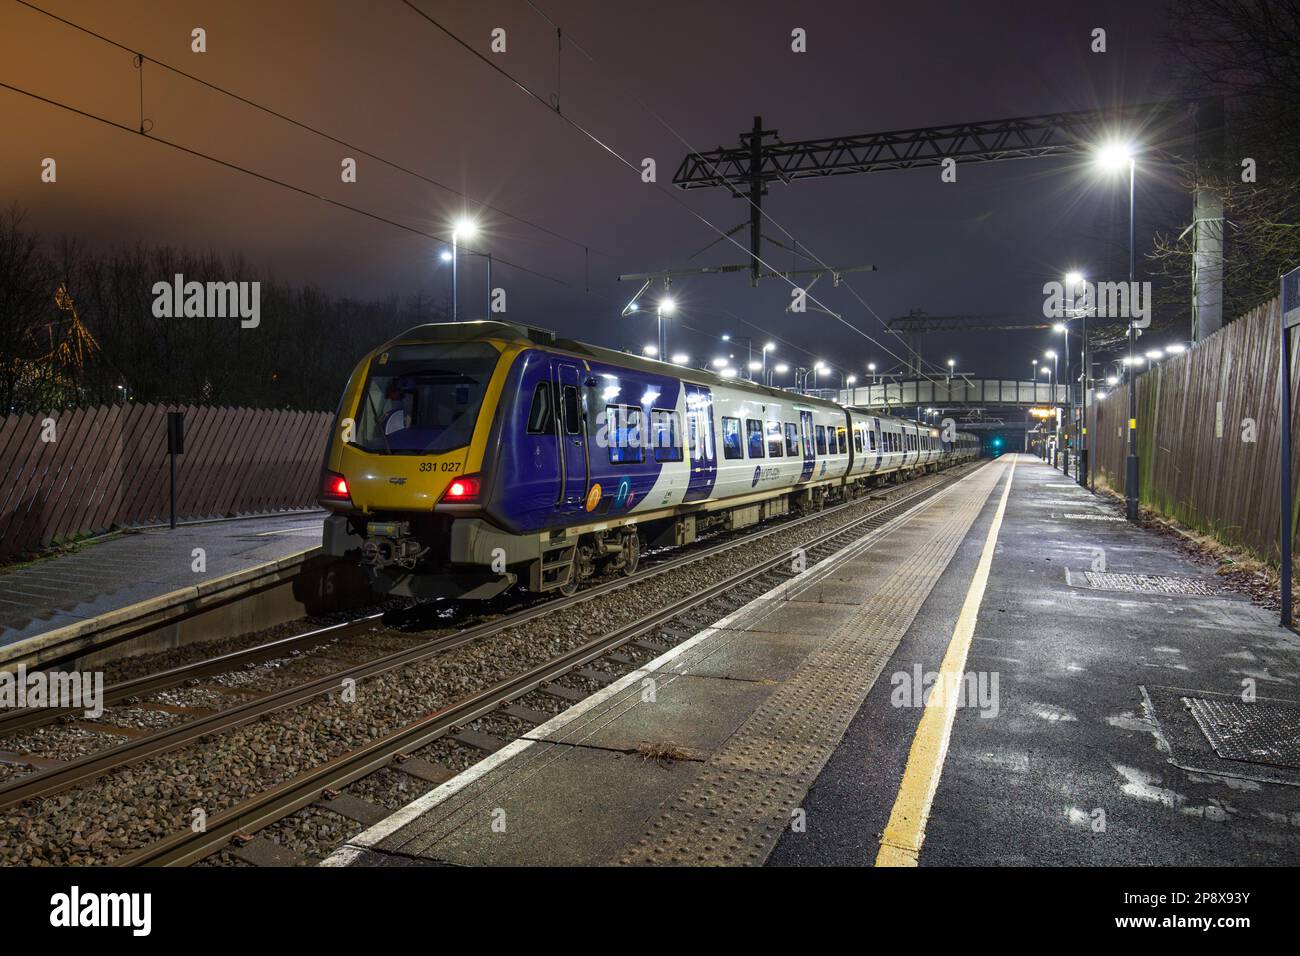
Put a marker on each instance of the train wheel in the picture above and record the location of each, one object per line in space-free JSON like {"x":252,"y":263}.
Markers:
{"x":631,"y":554}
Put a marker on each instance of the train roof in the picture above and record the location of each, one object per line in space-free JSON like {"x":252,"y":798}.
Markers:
{"x":531,"y":335}
{"x":525,"y":335}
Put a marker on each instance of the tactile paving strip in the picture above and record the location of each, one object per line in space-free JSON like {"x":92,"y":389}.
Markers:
{"x":1250,"y":733}
{"x":737,"y":807}
{"x":1146,"y":583}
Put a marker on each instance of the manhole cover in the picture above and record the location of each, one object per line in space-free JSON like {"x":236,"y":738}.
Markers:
{"x":1091,"y":517}
{"x":1146,"y":583}
{"x":1250,"y":733}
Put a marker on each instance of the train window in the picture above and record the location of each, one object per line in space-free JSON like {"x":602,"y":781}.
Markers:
{"x":663,"y":429}
{"x":831,"y":447}
{"x":821,"y":439}
{"x":774,"y":440}
{"x":754,"y":430}
{"x":731,"y":446}
{"x":805,"y":431}
{"x":871,"y":440}
{"x":857,"y":440}
{"x":572,"y":412}
{"x":791,"y":439}
{"x":843,"y":434}
{"x":541,"y":415}
{"x":623,"y":434}
{"x":424,"y":399}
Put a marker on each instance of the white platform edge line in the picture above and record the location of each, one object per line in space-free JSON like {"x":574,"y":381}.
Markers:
{"x":368,"y":838}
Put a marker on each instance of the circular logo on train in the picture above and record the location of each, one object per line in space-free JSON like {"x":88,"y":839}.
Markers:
{"x":758,"y":473}
{"x":623,"y":497}
{"x":593,"y":497}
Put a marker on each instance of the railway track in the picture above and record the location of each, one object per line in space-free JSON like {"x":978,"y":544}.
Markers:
{"x":329,"y":778}
{"x":277,"y":802}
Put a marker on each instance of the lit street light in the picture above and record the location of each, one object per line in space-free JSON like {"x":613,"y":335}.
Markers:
{"x":666,"y":306}
{"x":468,"y":229}
{"x":1115,"y":156}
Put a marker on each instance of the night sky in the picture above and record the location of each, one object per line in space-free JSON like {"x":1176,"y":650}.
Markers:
{"x":377,"y":75}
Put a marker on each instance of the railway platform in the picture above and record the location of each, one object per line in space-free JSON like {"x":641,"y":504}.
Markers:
{"x":1006,"y":673}
{"x":137,"y":569}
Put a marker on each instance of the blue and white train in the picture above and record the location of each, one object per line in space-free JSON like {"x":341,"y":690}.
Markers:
{"x":468,"y":458}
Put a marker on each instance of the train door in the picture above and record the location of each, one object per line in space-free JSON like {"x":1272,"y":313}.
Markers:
{"x":699,"y":441}
{"x":575,"y":468}
{"x":806,"y":439}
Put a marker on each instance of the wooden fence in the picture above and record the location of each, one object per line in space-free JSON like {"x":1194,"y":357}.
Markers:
{"x":1208,"y":434}
{"x":108,"y":468}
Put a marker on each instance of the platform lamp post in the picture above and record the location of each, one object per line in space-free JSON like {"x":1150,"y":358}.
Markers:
{"x":1115,"y":157}
{"x":851,"y":383}
{"x":763,"y":376}
{"x":1290,"y":309}
{"x":1074,"y":280}
{"x":1056,"y":446}
{"x":780,"y":368}
{"x":1056,"y":382}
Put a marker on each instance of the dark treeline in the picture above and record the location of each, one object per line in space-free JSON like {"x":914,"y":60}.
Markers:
{"x":77,"y":327}
{"x":1248,"y":53}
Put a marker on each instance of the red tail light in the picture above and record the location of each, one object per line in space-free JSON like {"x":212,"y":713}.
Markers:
{"x":462,"y":490}
{"x":335,"y":487}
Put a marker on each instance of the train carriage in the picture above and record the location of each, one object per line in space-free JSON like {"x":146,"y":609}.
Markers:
{"x":467,"y":458}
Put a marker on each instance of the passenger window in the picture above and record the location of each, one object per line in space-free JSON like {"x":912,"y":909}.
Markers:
{"x":541,"y":416}
{"x":731,"y":447}
{"x":791,"y":440}
{"x":871,"y":440}
{"x":821,"y":439}
{"x":857,"y":440}
{"x":663,"y":427}
{"x":831,"y":447}
{"x":754,"y":429}
{"x":623,"y":433}
{"x":572,"y":412}
{"x":774,"y":440}
{"x":843,"y":434}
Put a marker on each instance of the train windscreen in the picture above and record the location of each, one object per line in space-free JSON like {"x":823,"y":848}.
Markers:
{"x":424,"y":399}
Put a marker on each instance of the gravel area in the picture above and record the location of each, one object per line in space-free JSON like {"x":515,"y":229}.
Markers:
{"x":190,"y":697}
{"x":312,"y":832}
{"x":138,"y":804}
{"x":153,"y":663}
{"x":140,"y":718}
{"x":390,"y":788}
{"x":59,"y":741}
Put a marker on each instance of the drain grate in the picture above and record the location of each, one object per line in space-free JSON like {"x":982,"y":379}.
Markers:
{"x":1250,"y":733}
{"x":1146,"y":583}
{"x":1090,"y":517}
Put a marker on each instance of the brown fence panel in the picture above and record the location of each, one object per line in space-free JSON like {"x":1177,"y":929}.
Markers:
{"x":1209,"y":434}
{"x":108,"y":467}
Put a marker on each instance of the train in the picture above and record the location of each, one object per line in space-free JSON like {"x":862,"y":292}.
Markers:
{"x":469,"y":458}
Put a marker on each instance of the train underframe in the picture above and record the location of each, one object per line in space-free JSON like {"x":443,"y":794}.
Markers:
{"x":434,"y":556}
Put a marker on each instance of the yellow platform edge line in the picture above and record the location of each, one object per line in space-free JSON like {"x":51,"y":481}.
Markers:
{"x":900,"y":844}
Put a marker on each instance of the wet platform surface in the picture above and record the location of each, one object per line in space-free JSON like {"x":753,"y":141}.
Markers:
{"x":796,"y":730}
{"x":136,"y":566}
